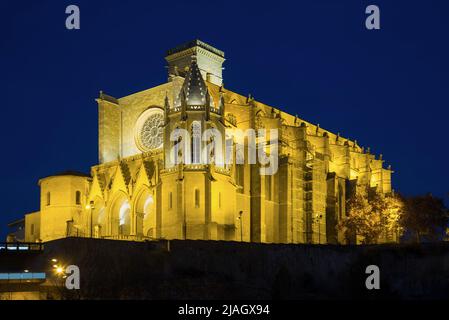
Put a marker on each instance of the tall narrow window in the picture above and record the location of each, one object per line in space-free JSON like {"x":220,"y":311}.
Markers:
{"x":268,"y":187}
{"x":229,"y":157}
{"x":219,"y":199}
{"x":78,"y":197}
{"x":340,"y":202}
{"x":32,"y":229}
{"x":48,"y":199}
{"x":170,"y":200}
{"x":196,"y":142}
{"x":240,"y":176}
{"x":197,"y":198}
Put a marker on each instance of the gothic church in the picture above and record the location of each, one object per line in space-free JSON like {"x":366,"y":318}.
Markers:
{"x":153,"y":184}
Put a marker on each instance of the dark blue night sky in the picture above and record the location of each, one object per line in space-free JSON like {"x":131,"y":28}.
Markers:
{"x":388,"y":89}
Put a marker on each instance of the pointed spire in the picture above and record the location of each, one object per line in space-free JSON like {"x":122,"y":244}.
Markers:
{"x":221,"y":104}
{"x":194,"y":87}
{"x":166,"y":101}
{"x":166,"y":108}
{"x":207,"y":105}
{"x":250,"y":98}
{"x":183,"y":105}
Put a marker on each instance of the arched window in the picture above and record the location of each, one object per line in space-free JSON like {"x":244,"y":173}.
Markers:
{"x":78,"y":197}
{"x":196,"y":142}
{"x":48,"y":199}
{"x":229,"y":150}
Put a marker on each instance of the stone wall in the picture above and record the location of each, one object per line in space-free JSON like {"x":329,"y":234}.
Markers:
{"x":230,"y":270}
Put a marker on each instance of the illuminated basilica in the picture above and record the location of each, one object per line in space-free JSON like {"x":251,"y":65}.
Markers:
{"x":152,"y":180}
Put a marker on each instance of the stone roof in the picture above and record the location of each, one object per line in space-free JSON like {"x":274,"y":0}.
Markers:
{"x":194,"y":89}
{"x":69,"y":173}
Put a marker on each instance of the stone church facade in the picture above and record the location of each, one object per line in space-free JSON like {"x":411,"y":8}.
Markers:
{"x":152,"y":182}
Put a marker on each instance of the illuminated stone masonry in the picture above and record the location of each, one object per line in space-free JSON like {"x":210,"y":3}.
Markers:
{"x":153,"y":182}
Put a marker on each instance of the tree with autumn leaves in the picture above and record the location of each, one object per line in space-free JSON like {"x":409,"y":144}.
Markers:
{"x":371,"y":215}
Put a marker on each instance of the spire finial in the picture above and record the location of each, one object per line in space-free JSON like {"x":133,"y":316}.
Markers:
{"x":166,"y":107}
{"x":166,"y":102}
{"x":221,"y":104}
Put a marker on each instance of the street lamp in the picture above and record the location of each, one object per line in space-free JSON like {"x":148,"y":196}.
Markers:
{"x":57,"y":268}
{"x":91,"y":207}
{"x":241,"y":224}
{"x":318,"y":219}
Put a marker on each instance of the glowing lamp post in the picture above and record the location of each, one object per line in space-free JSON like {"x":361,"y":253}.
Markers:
{"x":91,"y":207}
{"x":241,"y":224}
{"x":57,"y":268}
{"x":318,"y":219}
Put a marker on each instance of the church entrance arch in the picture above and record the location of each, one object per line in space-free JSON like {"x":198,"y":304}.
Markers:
{"x":120,"y":217}
{"x":145,"y":213}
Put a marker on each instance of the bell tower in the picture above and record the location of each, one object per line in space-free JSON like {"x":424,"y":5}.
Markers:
{"x":194,"y":147}
{"x":209,"y":59}
{"x":194,"y":110}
